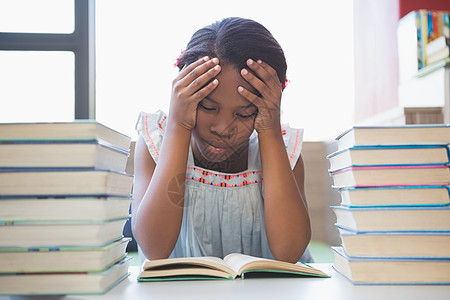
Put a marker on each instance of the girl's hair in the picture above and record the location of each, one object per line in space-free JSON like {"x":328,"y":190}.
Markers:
{"x":233,"y":41}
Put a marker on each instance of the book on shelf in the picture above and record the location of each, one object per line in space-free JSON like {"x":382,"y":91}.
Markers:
{"x":63,"y":283}
{"x":81,"y":130}
{"x":35,"y":234}
{"x":389,"y":155}
{"x":412,"y":134}
{"x":396,"y":243}
{"x":412,"y":218}
{"x":62,"y":259}
{"x":65,"y":154}
{"x":230,"y":267}
{"x":68,"y":182}
{"x":391,"y":175}
{"x":420,"y":195}
{"x":441,"y":55}
{"x":437,"y":45}
{"x":375,"y":270}
{"x":417,"y":33}
{"x":82,"y":208}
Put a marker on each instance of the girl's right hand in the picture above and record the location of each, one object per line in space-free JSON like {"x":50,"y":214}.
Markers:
{"x":193,"y":84}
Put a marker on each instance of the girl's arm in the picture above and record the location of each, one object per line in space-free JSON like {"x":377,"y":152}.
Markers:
{"x":158,"y":191}
{"x":286,"y":216}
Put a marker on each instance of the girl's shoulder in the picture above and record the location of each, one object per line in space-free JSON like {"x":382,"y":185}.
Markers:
{"x":293,"y":140}
{"x":152,"y":126}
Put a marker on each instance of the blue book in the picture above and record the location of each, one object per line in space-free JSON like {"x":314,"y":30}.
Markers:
{"x":381,"y":219}
{"x":18,"y":182}
{"x":400,"y":155}
{"x":411,"y":244}
{"x":62,"y":259}
{"x":82,"y":154}
{"x":391,"y":271}
{"x":418,"y":134}
{"x":417,"y":195}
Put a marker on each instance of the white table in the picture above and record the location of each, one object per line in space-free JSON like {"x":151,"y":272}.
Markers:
{"x":336,"y":287}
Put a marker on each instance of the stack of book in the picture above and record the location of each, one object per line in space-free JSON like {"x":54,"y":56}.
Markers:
{"x":423,"y":40}
{"x":64,"y":199}
{"x":394,"y":218}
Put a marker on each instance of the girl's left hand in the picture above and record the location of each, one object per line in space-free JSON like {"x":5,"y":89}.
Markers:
{"x":268,"y":101}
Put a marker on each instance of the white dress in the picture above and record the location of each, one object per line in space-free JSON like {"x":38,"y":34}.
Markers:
{"x":223,"y":213}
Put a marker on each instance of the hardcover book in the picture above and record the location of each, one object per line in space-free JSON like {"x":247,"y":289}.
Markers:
{"x":62,"y":259}
{"x":418,"y":195}
{"x":81,"y":130}
{"x":62,"y":283}
{"x":230,"y":267}
{"x":372,"y":270}
{"x":414,"y":218}
{"x":394,"y":135}
{"x":66,"y":154}
{"x":68,"y":182}
{"x":396,"y":243}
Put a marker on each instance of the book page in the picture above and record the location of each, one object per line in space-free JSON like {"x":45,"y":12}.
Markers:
{"x":241,"y":263}
{"x":209,"y":262}
{"x":238,"y":261}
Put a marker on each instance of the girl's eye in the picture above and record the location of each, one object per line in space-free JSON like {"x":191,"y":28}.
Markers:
{"x":244,"y":116}
{"x":206,"y":108}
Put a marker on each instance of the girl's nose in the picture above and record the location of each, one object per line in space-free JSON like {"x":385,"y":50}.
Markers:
{"x":223,"y":127}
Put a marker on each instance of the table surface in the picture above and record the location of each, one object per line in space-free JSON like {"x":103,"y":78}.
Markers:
{"x":336,"y":287}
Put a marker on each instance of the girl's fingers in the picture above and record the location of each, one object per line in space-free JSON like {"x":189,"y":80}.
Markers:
{"x":206,"y":90}
{"x":266,"y":78}
{"x":203,"y":79}
{"x":270,"y":76}
{"x":188,"y":68}
{"x":252,"y":98}
{"x":197,"y":68}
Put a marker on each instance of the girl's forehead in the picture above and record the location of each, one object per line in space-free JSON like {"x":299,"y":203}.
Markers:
{"x":226,"y":93}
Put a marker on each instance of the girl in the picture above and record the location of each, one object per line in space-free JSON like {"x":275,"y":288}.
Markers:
{"x":220,"y":174}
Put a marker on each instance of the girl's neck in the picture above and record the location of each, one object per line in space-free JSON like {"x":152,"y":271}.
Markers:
{"x":238,"y":162}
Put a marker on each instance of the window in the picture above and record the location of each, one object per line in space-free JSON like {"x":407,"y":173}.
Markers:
{"x":36,"y":86}
{"x":37,"y":16}
{"x":47,"y":60}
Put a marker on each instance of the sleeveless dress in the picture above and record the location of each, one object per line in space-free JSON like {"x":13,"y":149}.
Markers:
{"x":223,"y":213}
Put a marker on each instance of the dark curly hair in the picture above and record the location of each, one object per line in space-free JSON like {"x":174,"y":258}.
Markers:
{"x":233,"y":41}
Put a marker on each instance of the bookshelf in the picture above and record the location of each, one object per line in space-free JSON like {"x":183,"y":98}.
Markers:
{"x":426,"y":96}
{"x":424,"y":64}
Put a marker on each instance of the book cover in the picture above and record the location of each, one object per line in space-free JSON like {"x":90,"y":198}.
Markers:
{"x":64,"y":283}
{"x":60,"y":234}
{"x":418,"y":195}
{"x":62,"y":154}
{"x":370,"y":176}
{"x":62,"y":259}
{"x":389,"y":271}
{"x":82,"y":130}
{"x":417,"y":134}
{"x":62,"y":208}
{"x":67,"y":182}
{"x":389,"y":156}
{"x":429,"y":244}
{"x":413,"y":218}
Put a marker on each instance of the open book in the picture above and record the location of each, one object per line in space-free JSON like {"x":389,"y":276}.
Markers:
{"x":232,"y":266}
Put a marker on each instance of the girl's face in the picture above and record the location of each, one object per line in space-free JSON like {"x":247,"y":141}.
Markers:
{"x":225,"y":121}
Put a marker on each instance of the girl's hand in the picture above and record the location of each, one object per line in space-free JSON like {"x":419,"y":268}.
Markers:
{"x":268,"y":101}
{"x":190,"y":87}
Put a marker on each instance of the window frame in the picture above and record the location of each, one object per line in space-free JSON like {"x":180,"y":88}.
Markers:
{"x":81,"y":42}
